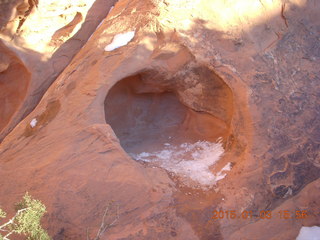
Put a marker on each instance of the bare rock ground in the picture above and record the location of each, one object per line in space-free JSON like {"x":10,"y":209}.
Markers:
{"x":243,"y":71}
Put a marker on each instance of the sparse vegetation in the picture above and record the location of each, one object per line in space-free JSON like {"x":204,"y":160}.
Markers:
{"x":109,"y":219}
{"x":26,"y":221}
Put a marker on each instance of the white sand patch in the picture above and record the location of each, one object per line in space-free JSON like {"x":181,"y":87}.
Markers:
{"x":309,"y":233}
{"x":120,"y":40}
{"x":33,"y":122}
{"x":191,"y":161}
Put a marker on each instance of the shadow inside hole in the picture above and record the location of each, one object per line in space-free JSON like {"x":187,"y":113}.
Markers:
{"x":146,"y":121}
{"x":14,"y":83}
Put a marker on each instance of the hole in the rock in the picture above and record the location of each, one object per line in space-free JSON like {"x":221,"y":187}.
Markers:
{"x":14,"y":81}
{"x":153,"y":124}
{"x":146,"y":121}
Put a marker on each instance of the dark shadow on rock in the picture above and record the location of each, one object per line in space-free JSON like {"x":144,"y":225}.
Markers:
{"x":7,"y":9}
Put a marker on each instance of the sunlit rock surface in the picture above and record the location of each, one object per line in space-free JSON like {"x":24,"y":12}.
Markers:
{"x":46,"y":35}
{"x":243,"y":74}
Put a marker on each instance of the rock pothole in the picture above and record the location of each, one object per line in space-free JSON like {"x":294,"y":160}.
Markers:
{"x":162,"y":122}
{"x":14,"y":82}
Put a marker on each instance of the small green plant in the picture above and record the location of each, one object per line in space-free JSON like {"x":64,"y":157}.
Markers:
{"x":26,"y":221}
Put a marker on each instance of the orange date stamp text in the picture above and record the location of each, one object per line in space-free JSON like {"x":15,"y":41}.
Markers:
{"x":263,"y":214}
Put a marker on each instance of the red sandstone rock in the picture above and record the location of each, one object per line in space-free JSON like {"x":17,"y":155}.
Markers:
{"x":245,"y":71}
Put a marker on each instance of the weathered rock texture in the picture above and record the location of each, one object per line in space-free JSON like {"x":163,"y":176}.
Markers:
{"x":52,"y":33}
{"x":246,"y":71}
{"x":14,"y":82}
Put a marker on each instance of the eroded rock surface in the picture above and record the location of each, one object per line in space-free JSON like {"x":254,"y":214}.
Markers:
{"x":45,"y":36}
{"x":14,"y":83}
{"x":243,"y":71}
